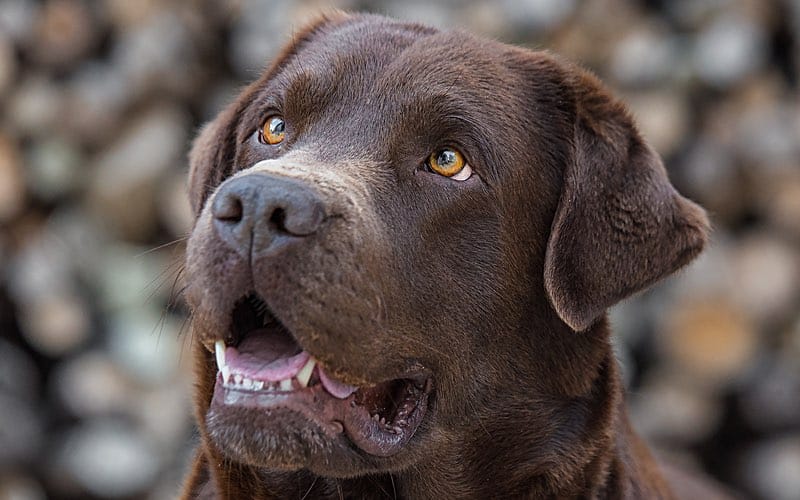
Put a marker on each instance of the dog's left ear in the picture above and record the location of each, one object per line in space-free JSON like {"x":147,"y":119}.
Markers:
{"x":620,"y":225}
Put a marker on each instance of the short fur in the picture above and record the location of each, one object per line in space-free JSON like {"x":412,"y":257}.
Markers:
{"x":497,"y":286}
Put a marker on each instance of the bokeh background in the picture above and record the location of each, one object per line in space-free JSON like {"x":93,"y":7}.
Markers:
{"x":98,"y":103}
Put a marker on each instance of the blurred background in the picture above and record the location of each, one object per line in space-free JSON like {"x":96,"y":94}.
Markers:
{"x":98,"y":103}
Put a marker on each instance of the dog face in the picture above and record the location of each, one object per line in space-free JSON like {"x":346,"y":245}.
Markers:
{"x":398,"y":234}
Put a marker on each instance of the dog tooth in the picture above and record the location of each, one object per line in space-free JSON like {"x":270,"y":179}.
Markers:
{"x":304,"y":375}
{"x":286,"y":384}
{"x":219,"y":348}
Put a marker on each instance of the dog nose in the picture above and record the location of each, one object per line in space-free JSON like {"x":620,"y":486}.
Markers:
{"x":258,"y":214}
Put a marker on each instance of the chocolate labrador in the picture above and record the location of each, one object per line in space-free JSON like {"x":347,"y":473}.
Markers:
{"x":405,"y":244}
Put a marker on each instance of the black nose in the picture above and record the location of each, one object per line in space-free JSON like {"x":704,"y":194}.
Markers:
{"x":258,"y":214}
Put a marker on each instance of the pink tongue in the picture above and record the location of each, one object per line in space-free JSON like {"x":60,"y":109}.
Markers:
{"x":261,"y":356}
{"x":271,"y":358}
{"x":336,"y":389}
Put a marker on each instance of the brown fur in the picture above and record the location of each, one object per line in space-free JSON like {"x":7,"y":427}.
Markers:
{"x":497,"y":286}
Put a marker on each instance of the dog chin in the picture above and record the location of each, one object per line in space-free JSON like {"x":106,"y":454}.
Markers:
{"x":277,"y":440}
{"x":284,"y":441}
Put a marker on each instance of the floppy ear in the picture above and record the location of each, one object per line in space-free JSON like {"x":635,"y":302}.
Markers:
{"x":620,"y":225}
{"x":213,"y":153}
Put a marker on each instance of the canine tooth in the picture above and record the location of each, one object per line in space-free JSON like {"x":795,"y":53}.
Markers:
{"x":286,"y":384}
{"x":304,"y":375}
{"x":219,"y":348}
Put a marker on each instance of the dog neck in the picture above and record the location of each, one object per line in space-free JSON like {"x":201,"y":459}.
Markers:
{"x":579,"y":445}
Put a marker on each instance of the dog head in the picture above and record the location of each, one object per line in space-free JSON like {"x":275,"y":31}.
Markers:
{"x":400,"y":230}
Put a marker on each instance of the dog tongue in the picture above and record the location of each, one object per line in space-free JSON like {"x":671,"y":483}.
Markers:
{"x":270,"y":358}
{"x":336,"y":389}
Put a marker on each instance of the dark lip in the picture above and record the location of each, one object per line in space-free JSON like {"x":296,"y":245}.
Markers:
{"x":346,"y":418}
{"x":306,"y":402}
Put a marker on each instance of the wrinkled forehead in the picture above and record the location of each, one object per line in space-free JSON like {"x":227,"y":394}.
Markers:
{"x":386,"y":68}
{"x":357,"y":49}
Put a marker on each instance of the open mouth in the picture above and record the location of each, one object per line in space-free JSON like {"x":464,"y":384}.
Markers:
{"x":263,"y":367}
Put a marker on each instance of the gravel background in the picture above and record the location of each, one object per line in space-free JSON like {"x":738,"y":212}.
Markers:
{"x":98,"y":100}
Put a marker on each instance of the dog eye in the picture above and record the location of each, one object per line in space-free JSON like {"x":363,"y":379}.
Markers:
{"x":273,"y":131}
{"x":450,"y":163}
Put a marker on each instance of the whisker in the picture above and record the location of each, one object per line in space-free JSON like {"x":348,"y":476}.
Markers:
{"x":180,"y":332}
{"x":170,"y":303}
{"x":165,"y":274}
{"x":159,"y":247}
{"x":480,"y":420}
{"x":310,"y":488}
{"x":377,"y":483}
{"x":173,"y":295}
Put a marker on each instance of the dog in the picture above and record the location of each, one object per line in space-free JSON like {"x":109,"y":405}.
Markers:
{"x":405,"y":244}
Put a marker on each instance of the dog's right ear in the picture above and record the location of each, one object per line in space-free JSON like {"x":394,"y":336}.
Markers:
{"x":213,"y":152}
{"x":620,"y":225}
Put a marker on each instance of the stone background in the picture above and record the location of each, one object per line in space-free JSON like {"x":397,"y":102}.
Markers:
{"x":98,"y":100}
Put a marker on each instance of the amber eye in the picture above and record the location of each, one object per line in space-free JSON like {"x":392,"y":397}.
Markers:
{"x":273,"y":131}
{"x":450,"y":163}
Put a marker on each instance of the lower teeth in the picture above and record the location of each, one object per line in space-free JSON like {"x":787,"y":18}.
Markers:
{"x":256,"y":385}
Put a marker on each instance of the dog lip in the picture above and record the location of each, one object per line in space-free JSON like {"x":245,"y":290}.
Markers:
{"x":378,"y":437}
{"x":370,"y":433}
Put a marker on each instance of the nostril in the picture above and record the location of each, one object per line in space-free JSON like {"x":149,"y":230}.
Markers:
{"x":229,"y":209}
{"x":278,"y":219}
